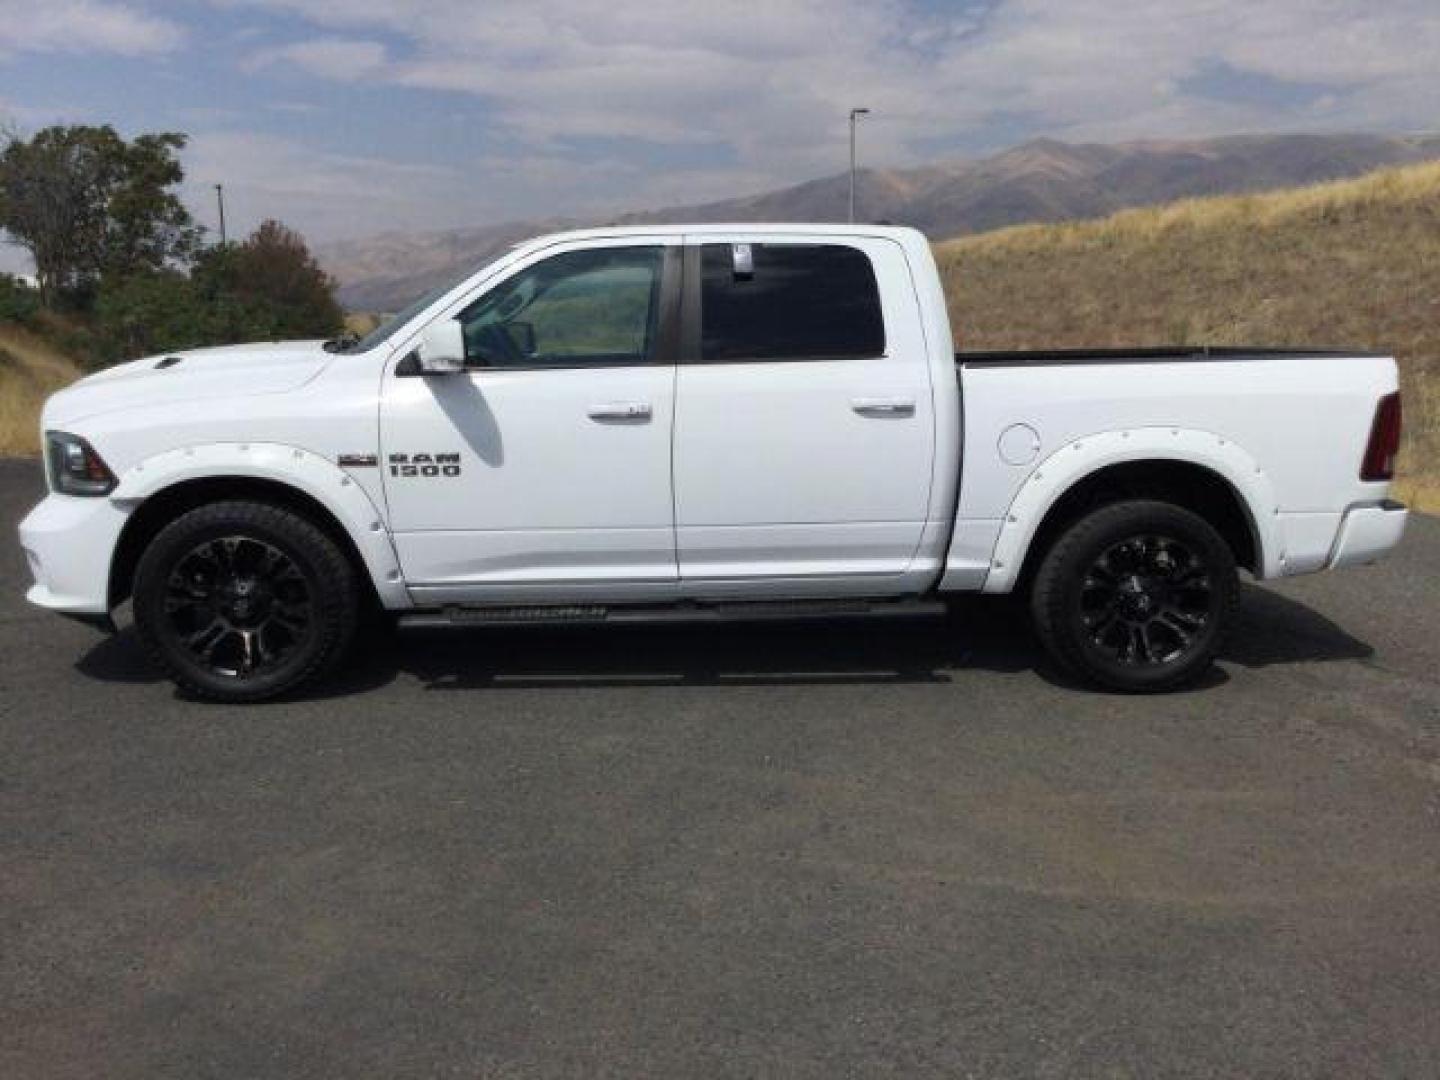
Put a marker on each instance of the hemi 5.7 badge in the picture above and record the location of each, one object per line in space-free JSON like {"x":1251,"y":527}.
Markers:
{"x":424,"y":465}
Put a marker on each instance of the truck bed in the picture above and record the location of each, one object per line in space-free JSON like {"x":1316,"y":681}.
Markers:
{"x":1147,"y":355}
{"x":1286,"y":428}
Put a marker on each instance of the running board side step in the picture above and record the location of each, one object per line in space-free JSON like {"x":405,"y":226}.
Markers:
{"x":457,"y":617}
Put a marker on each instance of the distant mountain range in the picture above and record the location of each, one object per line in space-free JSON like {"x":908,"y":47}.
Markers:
{"x":1045,"y":180}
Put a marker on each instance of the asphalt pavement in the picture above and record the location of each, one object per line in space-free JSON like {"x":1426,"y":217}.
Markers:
{"x":820,"y":850}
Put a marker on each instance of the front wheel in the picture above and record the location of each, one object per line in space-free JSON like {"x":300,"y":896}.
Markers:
{"x":1136,"y":596}
{"x":241,"y":601}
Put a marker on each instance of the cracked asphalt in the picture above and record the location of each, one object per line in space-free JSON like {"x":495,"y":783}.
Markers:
{"x":822,"y":850}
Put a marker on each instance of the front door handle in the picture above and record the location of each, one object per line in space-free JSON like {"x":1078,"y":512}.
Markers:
{"x":620,"y":410}
{"x":884,"y":406}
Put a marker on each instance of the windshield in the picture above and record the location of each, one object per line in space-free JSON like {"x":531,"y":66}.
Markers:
{"x":388,"y":328}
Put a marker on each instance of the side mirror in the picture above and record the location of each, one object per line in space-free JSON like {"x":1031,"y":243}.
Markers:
{"x":442,"y":348}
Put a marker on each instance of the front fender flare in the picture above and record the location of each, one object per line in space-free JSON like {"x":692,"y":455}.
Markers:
{"x":1080,"y":458}
{"x":305,"y":471}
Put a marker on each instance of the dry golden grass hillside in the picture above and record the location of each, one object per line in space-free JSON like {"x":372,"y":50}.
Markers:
{"x":1355,"y":263}
{"x":30,"y":370}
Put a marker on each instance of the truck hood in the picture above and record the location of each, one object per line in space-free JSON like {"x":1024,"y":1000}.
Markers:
{"x":194,"y":375}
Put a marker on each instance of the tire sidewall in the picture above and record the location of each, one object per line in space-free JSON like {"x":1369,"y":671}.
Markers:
{"x":315,"y":557}
{"x":1113,"y":525}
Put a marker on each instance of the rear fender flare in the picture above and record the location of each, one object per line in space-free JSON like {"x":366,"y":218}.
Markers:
{"x":1080,"y":458}
{"x":302,"y":470}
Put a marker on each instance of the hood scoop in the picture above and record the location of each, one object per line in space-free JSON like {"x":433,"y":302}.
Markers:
{"x":167,"y":362}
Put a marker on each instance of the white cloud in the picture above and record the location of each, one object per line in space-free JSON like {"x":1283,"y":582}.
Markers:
{"x":341,"y":59}
{"x":15,"y":116}
{"x":83,"y":26}
{"x":295,"y":108}
{"x":15,"y":259}
{"x":324,"y":194}
{"x":774,"y":81}
{"x":744,"y":94}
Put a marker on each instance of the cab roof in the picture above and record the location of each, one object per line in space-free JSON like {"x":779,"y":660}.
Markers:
{"x":748,"y":228}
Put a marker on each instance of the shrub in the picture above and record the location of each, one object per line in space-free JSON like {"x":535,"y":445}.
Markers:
{"x":19,"y":302}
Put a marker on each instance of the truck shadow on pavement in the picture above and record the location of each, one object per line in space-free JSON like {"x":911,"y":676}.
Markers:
{"x":979,"y":634}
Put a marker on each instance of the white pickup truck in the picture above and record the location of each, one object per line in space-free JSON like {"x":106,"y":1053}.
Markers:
{"x":697,"y":423}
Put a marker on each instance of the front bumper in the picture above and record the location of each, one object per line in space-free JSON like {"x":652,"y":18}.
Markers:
{"x":69,"y":543}
{"x":1367,"y":533}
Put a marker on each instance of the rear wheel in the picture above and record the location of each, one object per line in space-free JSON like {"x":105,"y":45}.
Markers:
{"x":241,"y":601}
{"x":1136,"y":596}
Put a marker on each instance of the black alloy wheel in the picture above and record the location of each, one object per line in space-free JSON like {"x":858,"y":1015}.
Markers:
{"x":239,"y":605}
{"x":241,"y":601}
{"x":1146,"y":600}
{"x":1136,"y":596}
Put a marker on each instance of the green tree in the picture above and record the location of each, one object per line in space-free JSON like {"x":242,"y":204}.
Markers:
{"x":273,"y":275}
{"x":87,"y":204}
{"x":160,"y":311}
{"x":265,"y":289}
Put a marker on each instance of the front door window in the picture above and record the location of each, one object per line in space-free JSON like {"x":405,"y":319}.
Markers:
{"x":594,"y":308}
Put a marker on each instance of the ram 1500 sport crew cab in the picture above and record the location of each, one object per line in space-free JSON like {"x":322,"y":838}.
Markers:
{"x":699,"y":422}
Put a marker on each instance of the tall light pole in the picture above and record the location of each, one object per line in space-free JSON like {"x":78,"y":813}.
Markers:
{"x":855,"y":115}
{"x":220,"y":199}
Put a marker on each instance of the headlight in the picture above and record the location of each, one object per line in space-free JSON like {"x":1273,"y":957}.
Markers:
{"x":75,"y":467}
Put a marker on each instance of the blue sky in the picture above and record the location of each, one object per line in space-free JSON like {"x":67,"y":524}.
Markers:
{"x":353,"y":117}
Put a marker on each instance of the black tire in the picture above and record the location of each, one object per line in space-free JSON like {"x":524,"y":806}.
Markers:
{"x":1136,"y":596}
{"x":243,"y":601}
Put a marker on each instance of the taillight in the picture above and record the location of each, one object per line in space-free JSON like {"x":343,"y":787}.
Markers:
{"x":1379,"y":463}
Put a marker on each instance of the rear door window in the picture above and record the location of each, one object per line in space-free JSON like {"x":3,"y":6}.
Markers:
{"x":788,"y":302}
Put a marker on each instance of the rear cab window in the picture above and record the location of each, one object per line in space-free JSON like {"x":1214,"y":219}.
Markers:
{"x":787,"y":302}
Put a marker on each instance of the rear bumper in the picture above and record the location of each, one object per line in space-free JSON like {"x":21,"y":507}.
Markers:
{"x":1366,"y":533}
{"x":69,"y":543}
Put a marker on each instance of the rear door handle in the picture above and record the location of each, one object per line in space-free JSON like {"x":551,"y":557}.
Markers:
{"x":884,"y":406}
{"x":620,"y":410}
